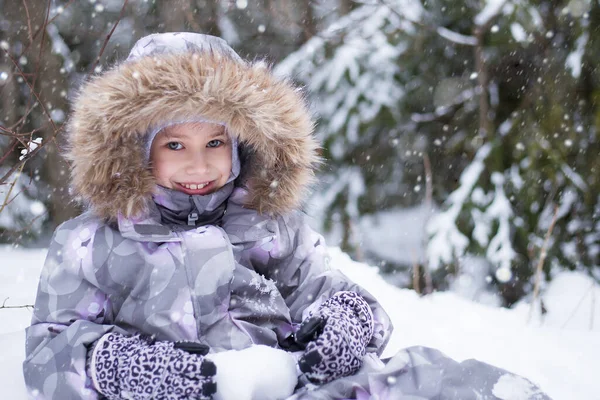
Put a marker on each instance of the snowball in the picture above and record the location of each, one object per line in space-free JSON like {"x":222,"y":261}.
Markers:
{"x":258,"y":372}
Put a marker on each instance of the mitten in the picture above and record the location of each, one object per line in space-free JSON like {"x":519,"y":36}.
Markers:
{"x":336,"y":338}
{"x":137,"y":367}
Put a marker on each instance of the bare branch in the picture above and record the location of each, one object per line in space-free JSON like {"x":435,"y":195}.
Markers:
{"x":33,"y":92}
{"x":107,"y":38}
{"x":538,"y":270}
{"x":4,"y":306}
{"x":428,"y":209}
{"x":10,"y":189}
{"x":29,"y":30}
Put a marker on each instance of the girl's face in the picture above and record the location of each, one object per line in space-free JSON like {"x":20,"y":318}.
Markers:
{"x":194,"y":158}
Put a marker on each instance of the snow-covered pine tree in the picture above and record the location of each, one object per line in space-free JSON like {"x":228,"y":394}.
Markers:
{"x":395,"y":79}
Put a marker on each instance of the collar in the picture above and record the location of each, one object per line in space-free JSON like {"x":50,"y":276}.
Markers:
{"x":174,"y":211}
{"x":184,"y":211}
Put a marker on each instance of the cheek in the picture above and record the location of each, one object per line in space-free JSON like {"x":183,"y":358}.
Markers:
{"x":226,"y":165}
{"x":160,"y":169}
{"x":222,"y":160}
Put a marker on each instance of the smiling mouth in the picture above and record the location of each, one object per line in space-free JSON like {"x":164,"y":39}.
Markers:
{"x":196,"y":188}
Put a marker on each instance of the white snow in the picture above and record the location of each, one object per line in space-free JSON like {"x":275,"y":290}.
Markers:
{"x":446,"y":241}
{"x":249,"y":374}
{"x":31,"y":146}
{"x":396,"y":235}
{"x":510,"y":387}
{"x":518,"y":32}
{"x":491,"y":9}
{"x":573,"y":61}
{"x":456,"y":37}
{"x":560,"y":353}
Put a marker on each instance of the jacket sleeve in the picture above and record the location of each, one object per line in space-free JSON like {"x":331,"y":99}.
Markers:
{"x":297,"y":261}
{"x":70,"y":313}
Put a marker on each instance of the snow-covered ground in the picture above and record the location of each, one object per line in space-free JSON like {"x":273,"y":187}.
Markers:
{"x":561,"y":353}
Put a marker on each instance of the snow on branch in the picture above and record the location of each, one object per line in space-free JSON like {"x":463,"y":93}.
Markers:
{"x":500,"y":251}
{"x":443,"y":111}
{"x":491,"y":9}
{"x":456,"y":37}
{"x":446,"y":241}
{"x":574,"y":177}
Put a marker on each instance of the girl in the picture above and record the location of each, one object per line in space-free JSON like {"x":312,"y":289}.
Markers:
{"x":192,"y":163}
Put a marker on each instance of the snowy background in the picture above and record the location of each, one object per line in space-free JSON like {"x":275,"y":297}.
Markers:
{"x":560,"y":352}
{"x":456,"y":135}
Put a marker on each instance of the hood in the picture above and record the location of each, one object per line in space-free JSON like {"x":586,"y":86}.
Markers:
{"x":180,"y":77}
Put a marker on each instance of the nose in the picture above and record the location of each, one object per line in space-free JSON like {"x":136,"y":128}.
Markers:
{"x":197,"y":164}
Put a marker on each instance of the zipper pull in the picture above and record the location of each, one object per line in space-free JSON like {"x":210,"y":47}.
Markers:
{"x":192,"y":218}
{"x":193,"y":215}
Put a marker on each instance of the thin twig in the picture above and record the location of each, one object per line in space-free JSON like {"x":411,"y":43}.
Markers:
{"x":23,"y":306}
{"x":9,"y":151}
{"x":538,"y":270}
{"x":43,"y":27}
{"x":21,"y":163}
{"x":16,"y":65}
{"x":579,"y":305}
{"x":42,"y":43}
{"x":29,"y":32}
{"x":10,"y":189}
{"x":107,"y":38}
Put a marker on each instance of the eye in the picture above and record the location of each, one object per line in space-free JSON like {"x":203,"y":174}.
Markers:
{"x":214,"y":143}
{"x":174,"y":145}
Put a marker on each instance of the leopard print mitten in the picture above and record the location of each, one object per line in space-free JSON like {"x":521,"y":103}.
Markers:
{"x":338,"y":334}
{"x":139,"y":368}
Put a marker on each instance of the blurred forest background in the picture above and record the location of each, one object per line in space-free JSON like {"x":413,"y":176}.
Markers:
{"x":460,"y":136}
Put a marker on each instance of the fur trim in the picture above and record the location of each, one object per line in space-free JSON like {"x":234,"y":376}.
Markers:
{"x":115,"y":111}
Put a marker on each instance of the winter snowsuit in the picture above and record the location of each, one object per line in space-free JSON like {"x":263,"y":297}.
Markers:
{"x":247,"y":272}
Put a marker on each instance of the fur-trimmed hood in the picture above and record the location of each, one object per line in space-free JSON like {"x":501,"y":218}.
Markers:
{"x":115,"y":112}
